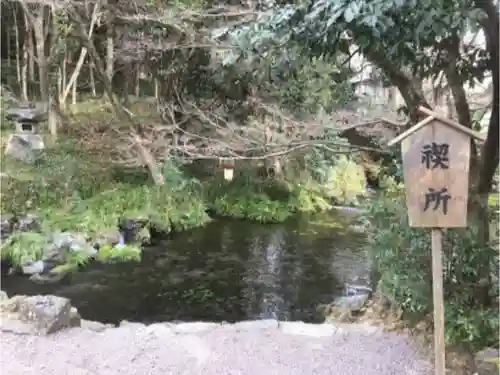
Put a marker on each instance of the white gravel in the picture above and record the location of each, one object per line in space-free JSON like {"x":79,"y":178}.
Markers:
{"x":253,"y":348}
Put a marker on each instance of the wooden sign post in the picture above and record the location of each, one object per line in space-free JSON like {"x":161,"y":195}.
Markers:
{"x":436,"y":154}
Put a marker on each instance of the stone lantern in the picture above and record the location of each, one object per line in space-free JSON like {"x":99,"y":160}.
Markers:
{"x":25,"y":143}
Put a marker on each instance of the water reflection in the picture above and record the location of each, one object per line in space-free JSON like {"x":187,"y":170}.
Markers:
{"x":227,"y":271}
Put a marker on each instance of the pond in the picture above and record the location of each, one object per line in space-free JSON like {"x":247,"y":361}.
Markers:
{"x":227,"y":271}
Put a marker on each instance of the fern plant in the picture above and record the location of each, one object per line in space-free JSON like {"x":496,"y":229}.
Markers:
{"x":24,"y":247}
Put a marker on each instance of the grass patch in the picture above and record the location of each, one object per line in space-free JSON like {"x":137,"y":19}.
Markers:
{"x":159,"y":206}
{"x":23,"y":247}
{"x":109,"y":253}
{"x":265,"y":201}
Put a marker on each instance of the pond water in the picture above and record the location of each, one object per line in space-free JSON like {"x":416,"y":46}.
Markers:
{"x":227,"y":271}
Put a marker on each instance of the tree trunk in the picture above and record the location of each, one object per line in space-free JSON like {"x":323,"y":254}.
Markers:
{"x":18,"y":47}
{"x":74,"y":76}
{"x":9,"y":52}
{"x":43,"y":69}
{"x":128,"y":80}
{"x":31,"y":50}
{"x":59,"y":84}
{"x":37,"y":22}
{"x":63,"y":77}
{"x":92,"y":79}
{"x":110,"y":49}
{"x":24,"y":71}
{"x":409,"y":87}
{"x":156,"y":89}
{"x":81,"y":59}
{"x":73,"y":93}
{"x":490,"y":151}
{"x":489,"y":158}
{"x":462,"y":107}
{"x":64,"y":69}
{"x":136,"y":128}
{"x":137,"y":87}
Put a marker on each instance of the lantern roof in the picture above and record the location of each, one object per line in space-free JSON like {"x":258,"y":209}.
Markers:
{"x":25,"y":115}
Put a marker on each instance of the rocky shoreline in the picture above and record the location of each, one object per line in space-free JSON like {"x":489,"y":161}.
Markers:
{"x":54,"y":248}
{"x":42,"y":315}
{"x":49,"y":316}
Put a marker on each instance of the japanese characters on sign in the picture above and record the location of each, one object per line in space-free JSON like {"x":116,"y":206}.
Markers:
{"x":436,"y":165}
{"x":438,"y":199}
{"x":435,"y":155}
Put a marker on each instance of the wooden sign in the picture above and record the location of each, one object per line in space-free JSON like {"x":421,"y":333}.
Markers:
{"x":436,"y":175}
{"x":436,"y":154}
{"x":436,"y":171}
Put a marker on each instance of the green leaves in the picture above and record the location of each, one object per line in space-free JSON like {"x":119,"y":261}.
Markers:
{"x":71,"y":192}
{"x":109,"y":253}
{"x":401,"y":257}
{"x":353,"y":10}
{"x":24,"y":247}
{"x":407,"y":33}
{"x":247,"y":202}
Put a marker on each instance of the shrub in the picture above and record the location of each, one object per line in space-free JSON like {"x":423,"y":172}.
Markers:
{"x":341,"y":178}
{"x":25,"y":247}
{"x":345,"y":181}
{"x":402,"y":266}
{"x":266,"y":200}
{"x":69,"y":192}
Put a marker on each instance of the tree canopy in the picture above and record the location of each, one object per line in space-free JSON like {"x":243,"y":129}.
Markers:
{"x":225,"y":63}
{"x":409,"y":41}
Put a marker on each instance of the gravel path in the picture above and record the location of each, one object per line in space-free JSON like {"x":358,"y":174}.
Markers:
{"x":262,"y":347}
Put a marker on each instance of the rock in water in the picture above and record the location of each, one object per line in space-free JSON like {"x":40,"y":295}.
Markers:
{"x":56,"y":250}
{"x":130,"y":228}
{"x":351,"y":303}
{"x":6,"y":225}
{"x":33,"y":267}
{"x":28,"y":223}
{"x":47,"y":278}
{"x":354,"y":289}
{"x":37,"y":315}
{"x":69,"y":241}
{"x":111,"y":237}
{"x":343,"y":308}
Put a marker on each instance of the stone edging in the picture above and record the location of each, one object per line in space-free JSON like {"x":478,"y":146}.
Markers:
{"x":287,"y":327}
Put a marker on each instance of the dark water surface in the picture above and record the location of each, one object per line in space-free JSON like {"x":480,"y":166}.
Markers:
{"x":227,"y":271}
